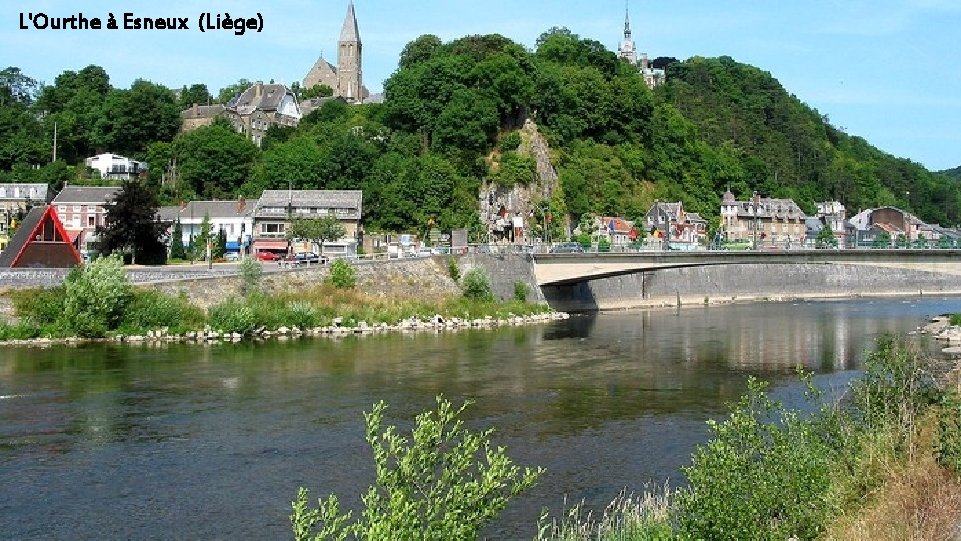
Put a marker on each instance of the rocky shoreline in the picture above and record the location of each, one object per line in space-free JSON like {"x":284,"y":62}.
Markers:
{"x":947,"y":370}
{"x":337,"y":329}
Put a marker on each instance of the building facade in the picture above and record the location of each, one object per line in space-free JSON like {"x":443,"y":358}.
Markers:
{"x":260,"y":107}
{"x":234,"y":218}
{"x":763,"y":221}
{"x":82,"y":210}
{"x":15,"y":201}
{"x":346,"y":79}
{"x":114,"y":167}
{"x":276,"y":208}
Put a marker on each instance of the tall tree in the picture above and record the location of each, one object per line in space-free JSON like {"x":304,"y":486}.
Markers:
{"x":195,"y":94}
{"x":214,"y":161}
{"x":132,"y":226}
{"x":133,"y":119}
{"x":316,"y":230}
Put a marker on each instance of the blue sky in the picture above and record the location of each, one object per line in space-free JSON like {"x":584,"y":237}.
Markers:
{"x":885,"y":70}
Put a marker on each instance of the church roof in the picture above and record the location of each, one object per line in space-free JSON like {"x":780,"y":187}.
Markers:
{"x":350,"y":32}
{"x":323,"y":66}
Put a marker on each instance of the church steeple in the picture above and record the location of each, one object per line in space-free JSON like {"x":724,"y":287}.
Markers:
{"x":628,"y":51}
{"x":350,"y":59}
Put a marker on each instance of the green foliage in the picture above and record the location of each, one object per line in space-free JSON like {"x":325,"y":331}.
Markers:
{"x":39,"y":307}
{"x":585,"y":240}
{"x":948,"y":448}
{"x":453,"y":269}
{"x":520,"y":292}
{"x":896,"y":386}
{"x":196,"y":94}
{"x":442,"y":482}
{"x":881,"y":241}
{"x":826,"y":238}
{"x":95,"y":297}
{"x":251,"y":273}
{"x":316,"y":230}
{"x":511,"y":142}
{"x":177,"y":249}
{"x":955,"y":319}
{"x":232,"y":316}
{"x":343,"y":275}
{"x":152,"y":310}
{"x":604,"y":245}
{"x":477,"y":285}
{"x":131,"y":225}
{"x":515,"y":169}
{"x":764,"y":475}
{"x":214,"y":161}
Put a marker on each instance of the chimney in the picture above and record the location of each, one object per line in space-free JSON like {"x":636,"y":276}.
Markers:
{"x":259,"y":89}
{"x":196,"y":110}
{"x":241,"y":204}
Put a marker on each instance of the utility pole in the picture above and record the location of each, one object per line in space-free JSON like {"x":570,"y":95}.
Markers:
{"x":54,"y":141}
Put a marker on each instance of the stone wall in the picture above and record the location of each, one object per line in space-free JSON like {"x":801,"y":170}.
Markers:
{"x":722,"y":284}
{"x":505,"y":270}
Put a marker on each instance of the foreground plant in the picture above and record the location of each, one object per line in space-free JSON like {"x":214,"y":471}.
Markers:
{"x":443,"y":482}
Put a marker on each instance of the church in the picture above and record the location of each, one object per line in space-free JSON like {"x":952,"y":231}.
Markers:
{"x":628,"y":51}
{"x":347,"y":77}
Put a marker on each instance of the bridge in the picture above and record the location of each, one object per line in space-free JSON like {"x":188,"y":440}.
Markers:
{"x":570,"y":269}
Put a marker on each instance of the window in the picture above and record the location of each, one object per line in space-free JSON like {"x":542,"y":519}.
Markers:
{"x":273,"y":229}
{"x":92,"y":221}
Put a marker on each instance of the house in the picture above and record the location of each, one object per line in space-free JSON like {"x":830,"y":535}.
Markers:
{"x":199,"y":116}
{"x":114,"y":167}
{"x":40,"y":242}
{"x":234,"y":218}
{"x":261,"y":107}
{"x":895,"y":222}
{"x":616,"y":230}
{"x":15,"y":201}
{"x":275,"y":209}
{"x":669,"y":221}
{"x":346,"y":79}
{"x":82,"y":210}
{"x":763,"y":221}
{"x":833,"y":214}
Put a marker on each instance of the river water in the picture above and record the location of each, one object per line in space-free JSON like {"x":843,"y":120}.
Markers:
{"x":194,"y":442}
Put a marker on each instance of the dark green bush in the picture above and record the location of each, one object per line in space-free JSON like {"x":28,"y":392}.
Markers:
{"x":520,"y":292}
{"x":453,"y":269}
{"x":232,"y":316}
{"x":152,"y":310}
{"x":39,"y":306}
{"x":477,"y":286}
{"x":343,"y":275}
{"x":510,"y":142}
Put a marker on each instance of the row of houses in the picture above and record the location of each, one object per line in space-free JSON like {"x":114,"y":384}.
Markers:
{"x":257,"y":226}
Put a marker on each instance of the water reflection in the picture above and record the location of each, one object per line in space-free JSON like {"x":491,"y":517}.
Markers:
{"x":604,"y":401}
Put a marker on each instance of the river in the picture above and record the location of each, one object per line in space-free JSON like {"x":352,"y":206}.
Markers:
{"x":211,"y":442}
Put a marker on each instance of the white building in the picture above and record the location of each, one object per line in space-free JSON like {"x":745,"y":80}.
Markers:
{"x":234,"y":218}
{"x":114,"y":167}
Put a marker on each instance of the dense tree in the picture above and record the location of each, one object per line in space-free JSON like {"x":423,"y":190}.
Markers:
{"x":419,"y":50}
{"x":133,"y":119}
{"x":74,"y":103}
{"x":195,"y":94}
{"x":177,"y":250}
{"x":132,"y":227}
{"x":18,"y":87}
{"x":213,"y":162}
{"x":232,"y":91}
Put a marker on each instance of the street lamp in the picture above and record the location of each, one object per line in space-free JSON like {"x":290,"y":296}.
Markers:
{"x":756,"y":203}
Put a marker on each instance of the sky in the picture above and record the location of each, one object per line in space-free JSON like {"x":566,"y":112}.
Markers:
{"x":884,"y":70}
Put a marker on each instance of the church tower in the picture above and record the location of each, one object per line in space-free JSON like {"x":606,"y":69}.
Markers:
{"x":350,"y":80}
{"x":628,"y":51}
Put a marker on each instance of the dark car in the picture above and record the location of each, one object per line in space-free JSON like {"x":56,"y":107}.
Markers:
{"x":309,"y":257}
{"x":567,"y":248}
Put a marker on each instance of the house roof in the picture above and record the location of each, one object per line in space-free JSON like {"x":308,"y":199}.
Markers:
{"x":86,"y":195}
{"x":30,"y":228}
{"x":695,"y":218}
{"x":214,"y":209}
{"x":259,"y":96}
{"x":344,"y":199}
{"x":24,"y":190}
{"x":202,"y":111}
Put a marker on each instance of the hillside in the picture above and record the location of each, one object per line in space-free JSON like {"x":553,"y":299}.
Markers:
{"x":448,"y":131}
{"x":953,"y":173}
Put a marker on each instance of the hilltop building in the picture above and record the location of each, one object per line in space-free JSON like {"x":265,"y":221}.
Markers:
{"x":347,"y":77}
{"x":262,"y":106}
{"x":628,"y":52}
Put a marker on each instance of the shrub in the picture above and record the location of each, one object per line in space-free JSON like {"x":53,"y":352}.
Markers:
{"x":453,"y":269}
{"x":949,"y":434}
{"x":232,"y":316}
{"x":520,"y":292}
{"x":510,"y":142}
{"x":443,"y":482}
{"x":584,"y":240}
{"x":302,"y":315}
{"x":152,"y":310}
{"x":477,"y":286}
{"x":896,"y":386}
{"x":603,"y":245}
{"x":95,"y":297}
{"x":251,"y":272}
{"x":764,"y":475}
{"x":41,"y":307}
{"x":343,"y":275}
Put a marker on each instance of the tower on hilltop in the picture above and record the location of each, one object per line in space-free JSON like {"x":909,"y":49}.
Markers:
{"x":628,"y":52}
{"x":346,"y":79}
{"x":350,"y":59}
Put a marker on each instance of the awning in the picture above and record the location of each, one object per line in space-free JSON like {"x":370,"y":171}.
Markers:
{"x":270,"y":245}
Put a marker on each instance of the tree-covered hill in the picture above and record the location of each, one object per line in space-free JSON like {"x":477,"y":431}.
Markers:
{"x":953,"y":173}
{"x":448,"y":128}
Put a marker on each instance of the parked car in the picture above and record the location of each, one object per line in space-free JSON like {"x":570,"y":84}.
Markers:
{"x":232,"y":256}
{"x":567,"y":248}
{"x":268,"y":256}
{"x":310,"y":257}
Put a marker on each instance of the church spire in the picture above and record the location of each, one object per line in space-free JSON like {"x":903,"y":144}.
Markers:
{"x":350,"y":32}
{"x":627,"y":21}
